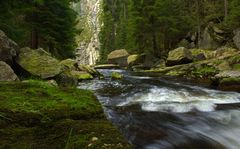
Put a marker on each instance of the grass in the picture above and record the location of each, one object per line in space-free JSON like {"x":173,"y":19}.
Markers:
{"x":36,"y":115}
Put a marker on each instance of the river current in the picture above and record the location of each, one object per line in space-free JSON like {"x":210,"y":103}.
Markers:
{"x":160,"y":113}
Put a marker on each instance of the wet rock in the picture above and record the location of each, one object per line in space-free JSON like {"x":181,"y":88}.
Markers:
{"x":8,"y":48}
{"x":118,"y":57}
{"x":39,"y":63}
{"x":230,"y":84}
{"x":6,"y":73}
{"x":107,"y":66}
{"x":179,"y":56}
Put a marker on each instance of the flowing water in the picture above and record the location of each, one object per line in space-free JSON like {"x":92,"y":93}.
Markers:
{"x":158,"y":113}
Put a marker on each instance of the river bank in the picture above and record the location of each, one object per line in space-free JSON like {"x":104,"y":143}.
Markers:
{"x":34,"y":114}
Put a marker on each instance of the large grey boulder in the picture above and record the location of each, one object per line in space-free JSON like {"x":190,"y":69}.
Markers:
{"x":39,"y":63}
{"x":179,"y":56}
{"x":6,"y":73}
{"x":118,"y":57}
{"x":236,"y":38}
{"x":8,"y":48}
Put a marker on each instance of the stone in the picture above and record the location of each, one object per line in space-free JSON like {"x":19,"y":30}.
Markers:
{"x":8,"y":49}
{"x":118,"y":57}
{"x":39,"y":63}
{"x":230,"y":84}
{"x":66,"y":80}
{"x":107,"y":66}
{"x":52,"y":83}
{"x":179,"y":56}
{"x":80,"y":75}
{"x":69,"y":64}
{"x":228,"y":74}
{"x":208,"y":41}
{"x":133,"y":60}
{"x":201,"y":54}
{"x":236,"y":38}
{"x":90,"y":70}
{"x":94,"y":139}
{"x":116,"y":76}
{"x":199,"y":57}
{"x":6,"y":73}
{"x":224,"y":52}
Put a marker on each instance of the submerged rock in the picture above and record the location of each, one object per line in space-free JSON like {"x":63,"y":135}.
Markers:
{"x":179,"y":56}
{"x":118,"y":57}
{"x":39,"y":63}
{"x":6,"y":73}
{"x":8,"y":48}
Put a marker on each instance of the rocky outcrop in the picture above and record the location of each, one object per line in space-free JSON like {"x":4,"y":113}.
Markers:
{"x":118,"y":57}
{"x":6,"y":73}
{"x":89,"y":12}
{"x":236,"y":38}
{"x":39,"y":63}
{"x":8,"y":48}
{"x":179,"y":56}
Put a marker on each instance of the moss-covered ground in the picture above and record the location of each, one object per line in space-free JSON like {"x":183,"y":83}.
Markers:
{"x":35,"y":115}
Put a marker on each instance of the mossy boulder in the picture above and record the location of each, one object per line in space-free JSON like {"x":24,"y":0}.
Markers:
{"x":39,"y":63}
{"x":118,"y":57}
{"x":8,"y":49}
{"x":134,"y":59}
{"x":69,"y":64}
{"x":230,"y":84}
{"x":79,"y":75}
{"x":179,"y":56}
{"x":116,"y":76}
{"x":6,"y":73}
{"x":90,"y":70}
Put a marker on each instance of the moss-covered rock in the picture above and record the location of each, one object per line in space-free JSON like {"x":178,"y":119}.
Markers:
{"x":80,"y":75}
{"x":8,"y":49}
{"x":116,"y":75}
{"x":90,"y":70}
{"x":6,"y":73}
{"x":230,"y":84}
{"x":36,"y":115}
{"x":179,"y":56}
{"x":118,"y":57}
{"x":133,"y":59}
{"x":69,"y":64}
{"x":39,"y":63}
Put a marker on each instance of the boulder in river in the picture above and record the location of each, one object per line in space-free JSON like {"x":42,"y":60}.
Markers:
{"x":8,"y":48}
{"x":39,"y":63}
{"x":6,"y":73}
{"x":179,"y":56}
{"x":116,"y":76}
{"x":118,"y":57}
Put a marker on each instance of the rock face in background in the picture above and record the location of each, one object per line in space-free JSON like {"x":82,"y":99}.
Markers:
{"x":89,"y":20}
{"x":8,"y":48}
{"x":6,"y":73}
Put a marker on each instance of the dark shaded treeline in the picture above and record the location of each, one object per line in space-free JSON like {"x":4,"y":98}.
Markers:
{"x":155,"y":26}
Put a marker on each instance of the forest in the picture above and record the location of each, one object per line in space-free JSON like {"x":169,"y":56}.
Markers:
{"x":156,"y":26}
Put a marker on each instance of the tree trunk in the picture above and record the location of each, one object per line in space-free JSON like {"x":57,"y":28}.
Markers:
{"x":34,"y":39}
{"x":225,"y":8}
{"x":198,"y":23}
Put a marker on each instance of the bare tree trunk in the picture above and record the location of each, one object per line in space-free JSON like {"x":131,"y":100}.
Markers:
{"x":225,"y":8}
{"x":34,"y":39}
{"x":198,"y":23}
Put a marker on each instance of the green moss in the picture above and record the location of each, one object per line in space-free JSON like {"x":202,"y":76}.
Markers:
{"x":36,"y":115}
{"x":230,"y":80}
{"x":235,"y":59}
{"x":116,"y":75}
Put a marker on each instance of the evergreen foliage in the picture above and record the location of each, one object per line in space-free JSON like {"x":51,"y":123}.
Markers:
{"x":40,"y":23}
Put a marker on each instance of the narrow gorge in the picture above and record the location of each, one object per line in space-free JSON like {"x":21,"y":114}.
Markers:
{"x":89,"y":12}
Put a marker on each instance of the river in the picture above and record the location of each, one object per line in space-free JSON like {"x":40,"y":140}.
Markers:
{"x":160,"y":113}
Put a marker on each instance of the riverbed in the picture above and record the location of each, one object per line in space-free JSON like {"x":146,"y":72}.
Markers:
{"x":160,"y":113}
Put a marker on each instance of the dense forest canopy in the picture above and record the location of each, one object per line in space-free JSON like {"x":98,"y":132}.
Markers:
{"x":156,"y":26}
{"x":49,"y":24}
